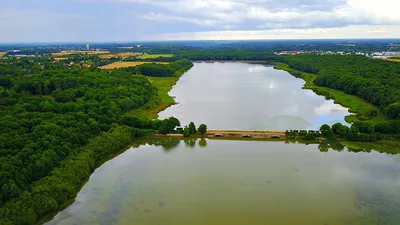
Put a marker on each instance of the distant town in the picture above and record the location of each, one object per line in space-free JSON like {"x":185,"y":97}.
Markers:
{"x":376,"y":55}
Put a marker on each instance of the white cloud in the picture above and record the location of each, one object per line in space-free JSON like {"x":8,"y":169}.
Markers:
{"x":268,"y":14}
{"x":166,"y":18}
{"x":358,"y":31}
{"x":218,"y":19}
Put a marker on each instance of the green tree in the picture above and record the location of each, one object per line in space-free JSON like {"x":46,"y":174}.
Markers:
{"x":326,"y":131}
{"x":186,"y":132}
{"x":192,"y":128}
{"x":174,"y":122}
{"x":165,"y":127}
{"x":202,"y":129}
{"x":337,"y":127}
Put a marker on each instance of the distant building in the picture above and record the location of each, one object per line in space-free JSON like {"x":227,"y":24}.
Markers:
{"x":87,"y":47}
{"x":138,"y":46}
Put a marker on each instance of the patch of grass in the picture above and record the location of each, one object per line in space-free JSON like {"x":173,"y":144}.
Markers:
{"x":163,"y":99}
{"x":353,"y":103}
{"x":164,"y":85}
{"x":117,"y":65}
{"x":153,"y":56}
{"x":121,"y":55}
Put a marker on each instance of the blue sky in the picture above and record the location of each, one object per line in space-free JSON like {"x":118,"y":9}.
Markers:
{"x":139,"y":20}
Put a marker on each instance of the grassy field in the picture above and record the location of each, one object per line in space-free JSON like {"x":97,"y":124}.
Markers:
{"x":164,"y":85}
{"x":117,"y":65}
{"x":153,"y":56}
{"x":65,"y":53}
{"x":122,"y":55}
{"x":352,"y":102}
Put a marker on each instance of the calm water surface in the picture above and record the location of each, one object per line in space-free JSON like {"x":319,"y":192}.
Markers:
{"x":249,"y":97}
{"x":239,"y":182}
{"x":197,"y":182}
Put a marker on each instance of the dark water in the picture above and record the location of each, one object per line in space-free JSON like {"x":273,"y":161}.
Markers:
{"x":239,"y":182}
{"x":249,"y":97}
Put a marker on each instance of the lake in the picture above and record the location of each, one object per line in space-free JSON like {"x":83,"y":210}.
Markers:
{"x":207,"y":181}
{"x":201,"y":182}
{"x":249,"y":97}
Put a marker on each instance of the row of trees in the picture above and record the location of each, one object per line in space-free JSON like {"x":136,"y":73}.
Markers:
{"x":159,"y":70}
{"x":358,"y":131}
{"x":167,"y":126}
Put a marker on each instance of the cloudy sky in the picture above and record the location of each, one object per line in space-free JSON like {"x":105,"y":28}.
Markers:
{"x":138,"y":20}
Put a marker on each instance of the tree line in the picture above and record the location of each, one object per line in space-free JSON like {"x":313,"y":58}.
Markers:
{"x":159,"y":70}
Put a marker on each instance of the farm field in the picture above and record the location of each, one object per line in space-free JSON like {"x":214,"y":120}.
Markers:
{"x":393,"y":60}
{"x":60,"y":58}
{"x":153,"y":56}
{"x":117,"y":65}
{"x":122,"y":55}
{"x":64,"y":53}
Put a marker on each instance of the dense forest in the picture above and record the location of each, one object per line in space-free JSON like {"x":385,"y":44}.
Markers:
{"x":375,"y":81}
{"x":56,"y":123}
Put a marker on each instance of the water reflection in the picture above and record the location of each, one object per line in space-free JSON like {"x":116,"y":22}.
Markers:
{"x":203,"y":143}
{"x":249,"y":97}
{"x":190,"y":142}
{"x":239,"y":182}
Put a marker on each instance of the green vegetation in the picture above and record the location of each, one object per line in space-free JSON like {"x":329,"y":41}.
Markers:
{"x":164,"y":100}
{"x":326,"y":131}
{"x":375,"y":81}
{"x":154,"y":56}
{"x":361,"y":136}
{"x":58,"y":123}
{"x":202,"y":129}
{"x":355,"y":104}
{"x":310,"y":135}
{"x":192,"y":128}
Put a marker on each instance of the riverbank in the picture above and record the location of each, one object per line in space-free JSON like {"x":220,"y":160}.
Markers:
{"x":164,"y":100}
{"x":230,"y":61}
{"x":353,"y":103}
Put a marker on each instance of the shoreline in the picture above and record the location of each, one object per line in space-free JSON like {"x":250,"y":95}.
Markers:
{"x":351,"y":102}
{"x":232,"y":61}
